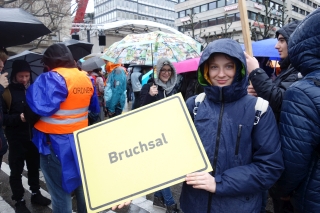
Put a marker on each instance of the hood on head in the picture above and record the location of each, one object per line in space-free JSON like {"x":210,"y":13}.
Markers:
{"x":111,"y":66}
{"x":136,"y":69}
{"x":287,"y":30}
{"x":168,"y":86}
{"x":58,"y":55}
{"x":228,"y":47}
{"x":304,"y":43}
{"x":20,"y":66}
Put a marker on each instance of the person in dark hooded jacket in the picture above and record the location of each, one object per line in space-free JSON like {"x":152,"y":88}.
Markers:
{"x":153,"y":91}
{"x":246,"y":158}
{"x":274,"y":90}
{"x":300,"y":120}
{"x":18,"y":133}
{"x":263,"y":86}
{"x":3,"y":84}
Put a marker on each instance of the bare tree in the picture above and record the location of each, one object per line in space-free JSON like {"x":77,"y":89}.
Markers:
{"x":191,"y":24}
{"x":53,"y":13}
{"x":266,"y":23}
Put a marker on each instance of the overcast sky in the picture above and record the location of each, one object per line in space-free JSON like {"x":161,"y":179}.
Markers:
{"x":90,"y":8}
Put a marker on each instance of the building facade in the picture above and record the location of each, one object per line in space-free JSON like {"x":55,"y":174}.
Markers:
{"x":161,"y":11}
{"x":214,"y":18}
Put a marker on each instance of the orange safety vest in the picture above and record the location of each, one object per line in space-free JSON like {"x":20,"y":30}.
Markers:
{"x":73,"y":112}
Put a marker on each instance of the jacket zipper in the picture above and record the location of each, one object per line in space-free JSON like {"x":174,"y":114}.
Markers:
{"x":216,"y":151}
{"x":238,"y":139}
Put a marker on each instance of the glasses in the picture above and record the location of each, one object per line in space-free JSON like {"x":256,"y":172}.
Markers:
{"x":166,"y":71}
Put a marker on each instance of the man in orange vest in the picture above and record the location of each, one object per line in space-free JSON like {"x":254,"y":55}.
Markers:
{"x":62,"y":98}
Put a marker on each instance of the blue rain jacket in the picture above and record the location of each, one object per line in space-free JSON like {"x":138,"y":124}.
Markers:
{"x":44,"y":97}
{"x":300,"y":120}
{"x":115,"y":91}
{"x":246,"y":159}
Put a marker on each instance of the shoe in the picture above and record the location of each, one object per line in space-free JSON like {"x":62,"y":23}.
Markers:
{"x":39,"y":199}
{"x":172,"y":209}
{"x":21,"y":207}
{"x":158,"y":202}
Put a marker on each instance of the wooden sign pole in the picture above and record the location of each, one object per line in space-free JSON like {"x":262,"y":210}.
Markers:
{"x":245,"y":26}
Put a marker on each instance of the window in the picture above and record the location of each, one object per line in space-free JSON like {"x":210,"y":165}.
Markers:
{"x":196,"y":10}
{"x":212,"y":22}
{"x":182,"y":14}
{"x":188,"y":11}
{"x":212,"y":5}
{"x":237,"y":18}
{"x":303,"y":12}
{"x":204,"y":24}
{"x":309,"y":3}
{"x":204,"y":8}
{"x":315,"y":6}
{"x":294,"y":8}
{"x":220,"y":20}
{"x":221,"y":3}
{"x":231,"y":2}
{"x":230,"y":18}
{"x":252,"y":15}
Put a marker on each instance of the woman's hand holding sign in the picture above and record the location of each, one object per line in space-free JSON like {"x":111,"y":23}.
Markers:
{"x":127,"y":203}
{"x":202,"y":180}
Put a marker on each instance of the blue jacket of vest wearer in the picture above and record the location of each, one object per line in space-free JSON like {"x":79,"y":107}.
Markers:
{"x":246,"y":159}
{"x":300,"y":120}
{"x":53,"y":85}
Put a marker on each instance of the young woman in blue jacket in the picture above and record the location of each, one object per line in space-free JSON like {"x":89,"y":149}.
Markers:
{"x":246,"y":158}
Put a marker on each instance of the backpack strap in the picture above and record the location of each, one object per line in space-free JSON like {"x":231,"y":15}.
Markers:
{"x":7,"y":98}
{"x":260,"y":108}
{"x":197,"y":101}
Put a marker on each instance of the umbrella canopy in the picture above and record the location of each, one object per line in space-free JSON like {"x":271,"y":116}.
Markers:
{"x":34,"y":60}
{"x":265,"y":48}
{"x":92,"y":63}
{"x":19,"y":27}
{"x":79,"y":49}
{"x":149,"y":47}
{"x":187,"y":65}
{"x":146,"y":77}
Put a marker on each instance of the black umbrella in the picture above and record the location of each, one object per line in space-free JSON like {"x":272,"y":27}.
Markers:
{"x":19,"y":27}
{"x":33,"y":59}
{"x":79,"y":49}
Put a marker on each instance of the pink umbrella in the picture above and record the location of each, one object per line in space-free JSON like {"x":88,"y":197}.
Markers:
{"x":187,"y":65}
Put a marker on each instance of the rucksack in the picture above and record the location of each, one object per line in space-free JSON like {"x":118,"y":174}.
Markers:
{"x":260,"y":107}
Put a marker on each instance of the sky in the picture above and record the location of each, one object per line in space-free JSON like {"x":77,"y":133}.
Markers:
{"x":90,"y":8}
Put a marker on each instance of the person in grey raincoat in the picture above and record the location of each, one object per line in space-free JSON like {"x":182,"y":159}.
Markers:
{"x":246,"y":158}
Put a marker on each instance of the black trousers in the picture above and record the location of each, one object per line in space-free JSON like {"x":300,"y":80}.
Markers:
{"x":136,"y":103}
{"x":1,"y":156}
{"x":282,"y":206}
{"x":20,"y":152}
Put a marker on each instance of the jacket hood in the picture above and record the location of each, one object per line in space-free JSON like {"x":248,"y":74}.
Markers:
{"x":58,"y":55}
{"x":111,"y":66}
{"x":287,"y":30}
{"x":20,"y":66}
{"x":238,"y":88}
{"x":168,"y":86}
{"x":303,"y":48}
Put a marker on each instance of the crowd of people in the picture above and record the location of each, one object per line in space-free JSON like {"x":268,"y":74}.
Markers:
{"x":253,"y":151}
